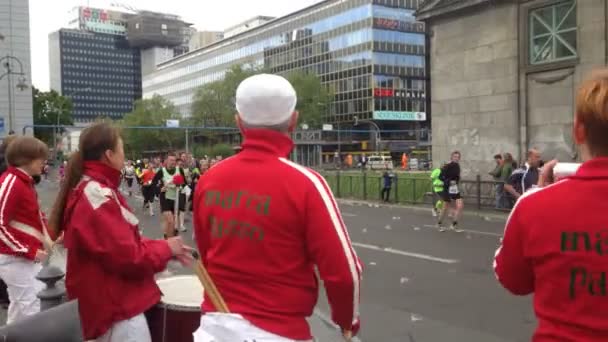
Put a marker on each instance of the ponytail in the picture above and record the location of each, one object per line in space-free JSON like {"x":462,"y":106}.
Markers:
{"x":73,"y":174}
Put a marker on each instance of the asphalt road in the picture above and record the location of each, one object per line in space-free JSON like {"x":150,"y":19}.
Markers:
{"x":419,"y":285}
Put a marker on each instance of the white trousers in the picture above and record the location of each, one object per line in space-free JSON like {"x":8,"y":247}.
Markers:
{"x":19,"y":274}
{"x":218,"y":327}
{"x":131,"y":330}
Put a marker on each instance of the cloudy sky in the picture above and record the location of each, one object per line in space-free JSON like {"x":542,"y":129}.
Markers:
{"x":47,"y":16}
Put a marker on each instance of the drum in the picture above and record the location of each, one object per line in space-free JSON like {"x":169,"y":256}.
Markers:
{"x":178,"y":315}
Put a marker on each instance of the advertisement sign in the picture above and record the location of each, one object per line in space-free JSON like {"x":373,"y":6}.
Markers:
{"x":399,"y":116}
{"x":396,"y":25}
{"x":384,"y":92}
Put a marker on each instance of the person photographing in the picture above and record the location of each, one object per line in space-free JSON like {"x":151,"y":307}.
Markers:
{"x":554,"y":244}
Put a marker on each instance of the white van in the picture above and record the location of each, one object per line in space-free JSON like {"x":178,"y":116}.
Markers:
{"x":380,"y":163}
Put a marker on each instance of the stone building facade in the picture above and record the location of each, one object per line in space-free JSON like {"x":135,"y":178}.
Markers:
{"x":504,"y":75}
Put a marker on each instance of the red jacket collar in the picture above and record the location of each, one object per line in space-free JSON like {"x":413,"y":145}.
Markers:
{"x":102,"y":173}
{"x":594,"y":168}
{"x":21,"y":174}
{"x":267,"y":141}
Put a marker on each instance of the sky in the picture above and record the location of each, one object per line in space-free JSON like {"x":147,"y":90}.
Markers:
{"x":47,"y":16}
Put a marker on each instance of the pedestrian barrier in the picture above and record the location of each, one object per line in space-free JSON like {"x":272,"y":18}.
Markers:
{"x":407,"y":188}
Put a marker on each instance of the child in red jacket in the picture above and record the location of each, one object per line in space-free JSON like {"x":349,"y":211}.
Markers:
{"x":23,"y":233}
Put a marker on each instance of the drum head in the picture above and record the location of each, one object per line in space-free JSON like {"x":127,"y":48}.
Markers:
{"x":181,"y":291}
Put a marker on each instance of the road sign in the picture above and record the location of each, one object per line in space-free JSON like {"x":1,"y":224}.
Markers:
{"x":173,"y":123}
{"x":328,"y":127}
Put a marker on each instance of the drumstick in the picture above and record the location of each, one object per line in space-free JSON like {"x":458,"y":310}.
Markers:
{"x":203,"y":276}
{"x":348,"y":335}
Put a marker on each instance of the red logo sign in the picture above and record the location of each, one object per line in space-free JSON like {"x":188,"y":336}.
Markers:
{"x":383,"y":92}
{"x":95,"y":14}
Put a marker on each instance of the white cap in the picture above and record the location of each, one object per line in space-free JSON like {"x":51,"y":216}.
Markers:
{"x":265,"y":100}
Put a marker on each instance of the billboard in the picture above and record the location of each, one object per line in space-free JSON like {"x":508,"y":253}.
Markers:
{"x":399,"y":116}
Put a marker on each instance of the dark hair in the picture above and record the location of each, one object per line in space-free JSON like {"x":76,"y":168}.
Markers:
{"x":497,"y":156}
{"x":94,"y":141}
{"x":456,"y":152}
{"x":23,"y":150}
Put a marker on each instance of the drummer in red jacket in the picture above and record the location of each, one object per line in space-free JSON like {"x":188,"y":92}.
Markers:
{"x":23,"y":234}
{"x":556,"y":239}
{"x":110,"y":266}
{"x":263,"y":223}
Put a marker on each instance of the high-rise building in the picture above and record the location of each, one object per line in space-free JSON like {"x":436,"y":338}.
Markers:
{"x":370,"y":53}
{"x":15,"y":67}
{"x":100,"y":72}
{"x":98,"y":61}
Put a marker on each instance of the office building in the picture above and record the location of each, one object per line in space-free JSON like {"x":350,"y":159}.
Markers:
{"x":370,"y":53}
{"x":98,"y":62}
{"x":504,"y":75}
{"x":15,"y":67}
{"x":203,"y":38}
{"x":100,"y":72}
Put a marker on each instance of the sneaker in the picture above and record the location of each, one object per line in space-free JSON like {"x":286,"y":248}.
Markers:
{"x":434,"y":211}
{"x":456,"y":230}
{"x":441,"y":228}
{"x":182,"y":229}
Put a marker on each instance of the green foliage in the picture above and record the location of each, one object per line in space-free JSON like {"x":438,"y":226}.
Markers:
{"x":50,"y":108}
{"x":152,"y":112}
{"x":214,"y":102}
{"x":313,"y":98}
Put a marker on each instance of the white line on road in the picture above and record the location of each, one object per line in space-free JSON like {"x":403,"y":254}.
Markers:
{"x":468,"y":231}
{"x":349,"y":214}
{"x":404,"y":253}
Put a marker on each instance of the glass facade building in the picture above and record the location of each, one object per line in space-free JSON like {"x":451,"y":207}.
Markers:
{"x":370,"y":53}
{"x":100,"y":72}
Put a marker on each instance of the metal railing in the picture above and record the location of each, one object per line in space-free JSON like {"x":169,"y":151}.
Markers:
{"x":407,"y":188}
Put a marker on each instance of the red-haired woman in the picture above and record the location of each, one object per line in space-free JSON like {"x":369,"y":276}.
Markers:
{"x":23,"y":233}
{"x":556,"y":238}
{"x":110,"y":266}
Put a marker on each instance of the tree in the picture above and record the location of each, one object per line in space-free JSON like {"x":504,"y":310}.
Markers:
{"x":313,"y":98}
{"x":50,"y":108}
{"x":152,"y":112}
{"x":214,"y":104}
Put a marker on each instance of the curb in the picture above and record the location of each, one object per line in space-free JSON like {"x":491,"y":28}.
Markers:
{"x":488,"y":216}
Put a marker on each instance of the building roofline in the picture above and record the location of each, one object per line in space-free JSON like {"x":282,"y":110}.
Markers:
{"x":262,"y":17}
{"x":430,"y":9}
{"x":275,"y":21}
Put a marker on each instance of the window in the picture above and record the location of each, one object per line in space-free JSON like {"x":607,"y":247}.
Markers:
{"x":552,"y":33}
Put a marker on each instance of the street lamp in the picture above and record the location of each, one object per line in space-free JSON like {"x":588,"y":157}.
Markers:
{"x":6,"y":62}
{"x":357,"y":121}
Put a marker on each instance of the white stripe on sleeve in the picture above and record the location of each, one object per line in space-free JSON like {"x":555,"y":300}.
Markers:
{"x":340,"y":231}
{"x":5,"y":236}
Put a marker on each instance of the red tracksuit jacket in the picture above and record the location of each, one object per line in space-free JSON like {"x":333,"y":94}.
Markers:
{"x":556,"y":246}
{"x":22,"y":225}
{"x":110,"y":267}
{"x":262,"y":223}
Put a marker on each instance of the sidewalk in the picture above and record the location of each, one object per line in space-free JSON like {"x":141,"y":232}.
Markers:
{"x":488,"y":215}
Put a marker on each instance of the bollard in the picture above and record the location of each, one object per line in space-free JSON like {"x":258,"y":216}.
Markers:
{"x":53,"y":294}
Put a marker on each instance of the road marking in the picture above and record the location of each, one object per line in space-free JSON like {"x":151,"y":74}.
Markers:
{"x":467,"y":231}
{"x":349,"y":215}
{"x":404,"y":253}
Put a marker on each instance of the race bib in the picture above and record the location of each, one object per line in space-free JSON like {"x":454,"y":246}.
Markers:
{"x":453,"y":189}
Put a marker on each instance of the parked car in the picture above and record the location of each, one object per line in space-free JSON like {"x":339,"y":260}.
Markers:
{"x":380,"y":163}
